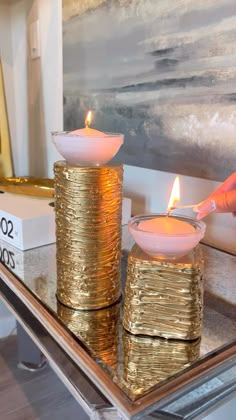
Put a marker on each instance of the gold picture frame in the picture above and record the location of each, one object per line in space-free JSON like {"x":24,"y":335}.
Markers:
{"x":6,"y":165}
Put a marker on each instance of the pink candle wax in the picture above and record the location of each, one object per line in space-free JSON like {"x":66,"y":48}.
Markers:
{"x":166,"y":225}
{"x":87,"y":131}
{"x":88,"y":147}
{"x":166,"y":236}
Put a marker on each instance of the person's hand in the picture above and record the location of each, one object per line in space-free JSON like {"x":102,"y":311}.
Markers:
{"x":222,"y":200}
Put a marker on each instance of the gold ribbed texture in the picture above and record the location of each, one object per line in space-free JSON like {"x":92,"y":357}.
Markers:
{"x":88,"y":230}
{"x":99,"y":330}
{"x":164,"y":299}
{"x":148,"y":361}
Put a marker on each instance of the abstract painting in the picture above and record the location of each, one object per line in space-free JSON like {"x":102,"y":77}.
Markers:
{"x":161,"y":72}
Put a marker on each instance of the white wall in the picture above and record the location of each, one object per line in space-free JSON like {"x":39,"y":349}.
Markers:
{"x":19,"y":132}
{"x":51,"y":23}
{"x":13,"y":56}
{"x":45,"y":96}
{"x":33,"y":86}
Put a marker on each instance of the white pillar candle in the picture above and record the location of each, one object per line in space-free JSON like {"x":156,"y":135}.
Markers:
{"x":87,"y":146}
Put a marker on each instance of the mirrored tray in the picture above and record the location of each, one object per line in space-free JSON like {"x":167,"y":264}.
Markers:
{"x":137,"y":364}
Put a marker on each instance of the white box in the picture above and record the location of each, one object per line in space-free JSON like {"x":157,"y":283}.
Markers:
{"x":30,"y":264}
{"x":35,"y":267}
{"x":26,"y":222}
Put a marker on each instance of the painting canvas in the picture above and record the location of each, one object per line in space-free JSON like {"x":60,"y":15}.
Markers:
{"x":163,"y":73}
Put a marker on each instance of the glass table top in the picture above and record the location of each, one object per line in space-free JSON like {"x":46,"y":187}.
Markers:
{"x":137,"y":364}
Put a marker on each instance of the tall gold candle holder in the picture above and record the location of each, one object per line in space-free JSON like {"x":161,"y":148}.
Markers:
{"x":148,"y":360}
{"x":99,"y":330}
{"x":88,"y":209}
{"x":164,"y":298}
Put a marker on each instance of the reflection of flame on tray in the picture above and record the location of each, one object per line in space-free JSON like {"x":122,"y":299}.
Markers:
{"x":148,"y":361}
{"x":98,"y":329}
{"x":35,"y":187}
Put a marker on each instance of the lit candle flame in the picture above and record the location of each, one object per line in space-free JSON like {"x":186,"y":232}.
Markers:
{"x":175,"y":195}
{"x":88,"y":119}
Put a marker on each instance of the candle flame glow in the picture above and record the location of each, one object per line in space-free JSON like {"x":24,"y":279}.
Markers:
{"x":88,"y":119}
{"x":175,"y":194}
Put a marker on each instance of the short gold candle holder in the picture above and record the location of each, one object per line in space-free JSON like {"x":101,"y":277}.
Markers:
{"x":99,"y":330}
{"x":148,"y":361}
{"x":88,"y":234}
{"x":164,"y":298}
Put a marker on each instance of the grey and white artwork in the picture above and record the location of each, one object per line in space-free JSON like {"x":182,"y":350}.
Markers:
{"x":163,"y":73}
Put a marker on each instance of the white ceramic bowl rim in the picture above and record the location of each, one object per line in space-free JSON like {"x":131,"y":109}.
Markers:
{"x":198,"y":224}
{"x":68,"y":134}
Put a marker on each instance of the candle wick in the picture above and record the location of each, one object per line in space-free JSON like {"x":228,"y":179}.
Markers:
{"x":169,"y":210}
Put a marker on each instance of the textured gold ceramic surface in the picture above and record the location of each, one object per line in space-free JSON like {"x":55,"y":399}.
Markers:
{"x":36,"y":187}
{"x":99,"y":330}
{"x":162,"y":298}
{"x":88,"y":230}
{"x":148,"y":361}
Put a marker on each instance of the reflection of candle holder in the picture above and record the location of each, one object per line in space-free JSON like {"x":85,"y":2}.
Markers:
{"x":148,"y":361}
{"x":164,"y":298}
{"x":166,"y":245}
{"x":88,"y":233}
{"x":87,"y":150}
{"x":97,"y":329}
